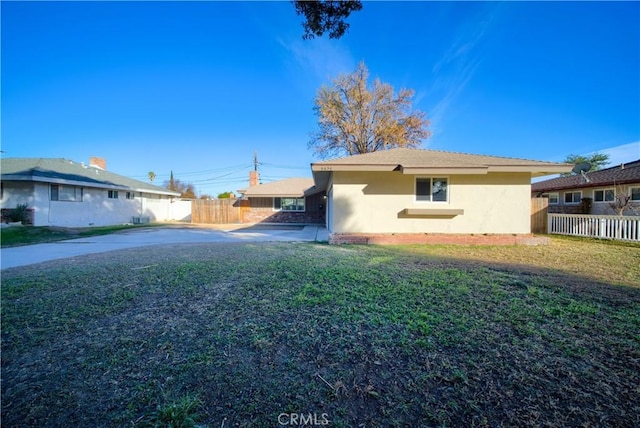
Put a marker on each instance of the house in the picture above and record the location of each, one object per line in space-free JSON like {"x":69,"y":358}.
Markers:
{"x":414,"y":192}
{"x":61,"y":192}
{"x":609,"y":191}
{"x":293,"y":200}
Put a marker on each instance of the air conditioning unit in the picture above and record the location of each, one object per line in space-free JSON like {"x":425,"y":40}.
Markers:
{"x":140,"y":220}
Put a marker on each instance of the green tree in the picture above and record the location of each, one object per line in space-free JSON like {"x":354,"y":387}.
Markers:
{"x":355,"y":117}
{"x":225,"y":195}
{"x":171,"y":185}
{"x":596,"y":160}
{"x":325,"y":16}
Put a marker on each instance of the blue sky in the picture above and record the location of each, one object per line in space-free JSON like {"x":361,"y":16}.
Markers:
{"x":196,"y":87}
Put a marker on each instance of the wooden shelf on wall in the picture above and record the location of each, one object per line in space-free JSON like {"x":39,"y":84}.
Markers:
{"x":432,"y":212}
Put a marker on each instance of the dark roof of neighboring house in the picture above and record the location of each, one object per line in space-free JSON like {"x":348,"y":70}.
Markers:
{"x":64,"y":171}
{"x":621,"y":174}
{"x":290,"y":187}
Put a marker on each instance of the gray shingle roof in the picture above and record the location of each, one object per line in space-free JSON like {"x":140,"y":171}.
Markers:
{"x":290,"y":187}
{"x":420,"y":161}
{"x":64,"y":171}
{"x":620,"y":174}
{"x":422,"y":158}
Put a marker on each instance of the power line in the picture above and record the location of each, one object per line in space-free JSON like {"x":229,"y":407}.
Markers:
{"x":192,"y":173}
{"x":272,"y":165}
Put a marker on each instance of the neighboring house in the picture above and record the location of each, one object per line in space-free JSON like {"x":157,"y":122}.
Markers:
{"x":293,"y":200}
{"x":603,"y":192}
{"x":414,"y":191}
{"x":60,"y":192}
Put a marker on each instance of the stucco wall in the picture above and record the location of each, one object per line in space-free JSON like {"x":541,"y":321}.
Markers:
{"x":95,"y":209}
{"x":373,"y":202}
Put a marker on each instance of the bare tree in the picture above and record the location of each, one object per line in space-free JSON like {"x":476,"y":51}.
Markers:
{"x":355,"y":118}
{"x":622,"y":200}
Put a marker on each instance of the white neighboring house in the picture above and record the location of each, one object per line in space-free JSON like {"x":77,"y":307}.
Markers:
{"x":61,"y":192}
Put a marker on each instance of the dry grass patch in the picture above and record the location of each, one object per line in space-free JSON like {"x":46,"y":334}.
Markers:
{"x":238,"y":334}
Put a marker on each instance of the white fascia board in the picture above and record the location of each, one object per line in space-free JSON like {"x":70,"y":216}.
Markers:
{"x":79,"y":183}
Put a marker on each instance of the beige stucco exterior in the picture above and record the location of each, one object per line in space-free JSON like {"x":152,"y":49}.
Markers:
{"x":375,"y":202}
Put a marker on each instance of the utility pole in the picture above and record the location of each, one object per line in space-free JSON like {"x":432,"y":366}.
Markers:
{"x":255,"y":160}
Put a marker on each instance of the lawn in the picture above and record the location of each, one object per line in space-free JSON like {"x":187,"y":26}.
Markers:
{"x":256,"y":335}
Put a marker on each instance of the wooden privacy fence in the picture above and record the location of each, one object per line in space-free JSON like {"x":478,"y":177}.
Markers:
{"x":218,"y":211}
{"x":539,"y":215}
{"x":624,"y":228}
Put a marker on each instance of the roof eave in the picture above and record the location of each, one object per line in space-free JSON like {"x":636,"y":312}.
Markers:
{"x":274,"y":195}
{"x":535,"y":170}
{"x":327,"y":167}
{"x":94,"y":184}
{"x":445,"y":171}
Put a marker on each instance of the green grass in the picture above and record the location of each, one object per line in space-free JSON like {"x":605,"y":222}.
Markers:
{"x":237,"y":334}
{"x":27,"y":235}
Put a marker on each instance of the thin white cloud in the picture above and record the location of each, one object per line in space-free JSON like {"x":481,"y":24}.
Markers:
{"x":623,"y":153}
{"x":455,"y":69}
{"x":320,"y":58}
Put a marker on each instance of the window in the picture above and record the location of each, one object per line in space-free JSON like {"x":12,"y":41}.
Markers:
{"x":604,"y":195}
{"x":66,"y":193}
{"x":288,"y":204}
{"x":112,"y":194}
{"x":130,"y":195}
{"x":572,"y":197}
{"x":635,"y":193}
{"x":430,"y":189}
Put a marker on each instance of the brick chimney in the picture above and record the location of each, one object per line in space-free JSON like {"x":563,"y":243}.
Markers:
{"x":97,"y":162}
{"x":253,"y":178}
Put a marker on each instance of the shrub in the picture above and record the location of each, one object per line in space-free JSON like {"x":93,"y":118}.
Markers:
{"x":19,"y":214}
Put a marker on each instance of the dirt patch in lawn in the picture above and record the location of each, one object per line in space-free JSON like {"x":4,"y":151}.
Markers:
{"x":242,"y":334}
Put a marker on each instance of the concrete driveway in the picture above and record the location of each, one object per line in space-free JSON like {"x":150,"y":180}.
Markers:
{"x":30,"y":254}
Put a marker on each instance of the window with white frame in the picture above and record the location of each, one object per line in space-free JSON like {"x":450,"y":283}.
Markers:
{"x":112,"y":194}
{"x":59,"y":192}
{"x":554,"y":198}
{"x":130,"y":195}
{"x":572,"y":197}
{"x":288,"y":204}
{"x":432,"y":189}
{"x":604,"y":195}
{"x":635,"y":193}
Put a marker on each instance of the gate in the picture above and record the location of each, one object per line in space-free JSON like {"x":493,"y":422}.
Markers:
{"x":539,"y":215}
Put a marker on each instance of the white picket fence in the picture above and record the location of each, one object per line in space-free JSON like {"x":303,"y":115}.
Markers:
{"x":624,"y":228}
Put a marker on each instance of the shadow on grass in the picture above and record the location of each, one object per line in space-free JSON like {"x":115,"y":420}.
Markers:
{"x":355,"y":335}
